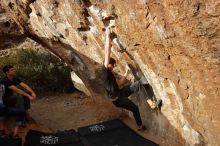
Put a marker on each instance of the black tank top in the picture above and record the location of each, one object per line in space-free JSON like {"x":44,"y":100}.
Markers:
{"x":110,"y":83}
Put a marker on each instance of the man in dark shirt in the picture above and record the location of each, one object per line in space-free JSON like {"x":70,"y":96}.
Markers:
{"x":10,"y":104}
{"x":119,"y":96}
{"x":14,"y":96}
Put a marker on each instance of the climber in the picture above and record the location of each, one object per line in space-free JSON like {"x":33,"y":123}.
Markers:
{"x":118,"y":94}
{"x":14,"y":96}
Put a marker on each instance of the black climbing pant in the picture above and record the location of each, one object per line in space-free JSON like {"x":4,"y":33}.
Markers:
{"x":125,"y":103}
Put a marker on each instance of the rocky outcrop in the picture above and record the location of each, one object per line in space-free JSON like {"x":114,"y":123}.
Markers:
{"x":9,"y":32}
{"x":174,"y":44}
{"x":79,"y":85}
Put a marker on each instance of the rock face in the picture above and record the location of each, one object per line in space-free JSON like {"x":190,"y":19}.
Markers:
{"x":78,"y":84}
{"x":9,"y":31}
{"x":175,"y":44}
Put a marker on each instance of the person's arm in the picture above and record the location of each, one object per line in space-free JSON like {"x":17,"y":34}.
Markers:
{"x":25,"y":86}
{"x":121,"y":81}
{"x":19,"y":91}
{"x":107,"y":47}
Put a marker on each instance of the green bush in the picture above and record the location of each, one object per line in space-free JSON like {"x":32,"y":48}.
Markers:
{"x":43,"y":71}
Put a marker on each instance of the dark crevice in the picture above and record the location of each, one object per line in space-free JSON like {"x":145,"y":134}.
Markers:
{"x":30,"y":1}
{"x":11,"y":5}
{"x":187,"y":87}
{"x":61,"y":36}
{"x":83,"y":28}
{"x":148,"y":25}
{"x":25,"y":6}
{"x":113,"y":35}
{"x":146,"y":15}
{"x":137,"y":44}
{"x":28,"y":9}
{"x":196,"y":9}
{"x":84,"y":25}
{"x":178,"y":81}
{"x":187,"y":97}
{"x":108,"y":18}
{"x":85,"y":39}
{"x":85,"y":13}
{"x":55,"y":4}
{"x":87,"y":3}
{"x":39,"y":14}
{"x":9,"y":40}
{"x":7,"y":24}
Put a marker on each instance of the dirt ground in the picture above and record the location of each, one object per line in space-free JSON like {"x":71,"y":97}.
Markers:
{"x":71,"y":111}
{"x":68,"y":111}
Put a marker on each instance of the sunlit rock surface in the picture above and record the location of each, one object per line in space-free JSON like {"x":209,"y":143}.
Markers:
{"x":175,"y":44}
{"x":79,"y":85}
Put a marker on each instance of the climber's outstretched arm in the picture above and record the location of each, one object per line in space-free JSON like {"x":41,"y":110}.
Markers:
{"x":107,"y":47}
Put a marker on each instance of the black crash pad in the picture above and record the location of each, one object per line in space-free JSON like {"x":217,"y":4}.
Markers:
{"x":112,"y":133}
{"x":9,"y":141}
{"x":64,"y":138}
